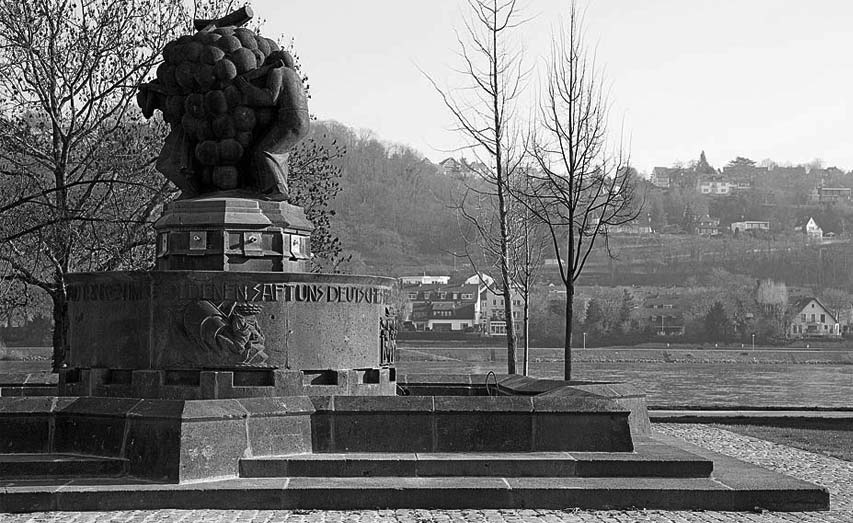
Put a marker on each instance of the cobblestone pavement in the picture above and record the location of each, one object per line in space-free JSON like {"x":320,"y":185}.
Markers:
{"x":835,"y":474}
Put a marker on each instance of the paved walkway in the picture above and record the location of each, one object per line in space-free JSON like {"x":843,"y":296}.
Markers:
{"x":835,"y":474}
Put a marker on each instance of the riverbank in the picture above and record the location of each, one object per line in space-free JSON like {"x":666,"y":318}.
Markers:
{"x":638,"y":354}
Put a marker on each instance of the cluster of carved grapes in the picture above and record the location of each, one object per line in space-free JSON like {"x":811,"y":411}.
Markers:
{"x":199,"y":72}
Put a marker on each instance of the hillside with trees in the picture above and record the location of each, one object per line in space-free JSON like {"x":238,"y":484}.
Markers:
{"x":394,"y":210}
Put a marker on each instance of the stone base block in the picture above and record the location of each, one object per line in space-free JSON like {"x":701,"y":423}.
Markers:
{"x":191,"y":384}
{"x":165,"y":440}
{"x":469,"y":424}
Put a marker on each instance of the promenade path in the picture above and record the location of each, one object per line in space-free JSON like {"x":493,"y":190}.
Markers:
{"x":835,"y":474}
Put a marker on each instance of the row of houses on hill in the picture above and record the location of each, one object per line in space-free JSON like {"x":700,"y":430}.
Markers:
{"x":663,"y":314}
{"x":733,"y":179}
{"x":434,"y":303}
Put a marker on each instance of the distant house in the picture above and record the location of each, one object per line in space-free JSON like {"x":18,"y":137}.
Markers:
{"x":451,"y":167}
{"x":461,"y":168}
{"x":635,"y":227}
{"x":716,"y":186}
{"x":629,"y":228}
{"x":810,"y":230}
{"x":708,"y":226}
{"x":662,"y":314}
{"x":661,"y":177}
{"x":424,"y":280}
{"x":812,"y":320}
{"x":749,"y":226}
{"x":493,"y":314}
{"x":443,"y":307}
{"x":743,"y":176}
{"x":834,"y":194}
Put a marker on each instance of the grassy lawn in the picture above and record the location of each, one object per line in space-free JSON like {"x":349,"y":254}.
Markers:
{"x":834,"y":442}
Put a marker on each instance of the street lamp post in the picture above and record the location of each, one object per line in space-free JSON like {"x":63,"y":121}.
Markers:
{"x":753,"y":344}
{"x":584,"y":341}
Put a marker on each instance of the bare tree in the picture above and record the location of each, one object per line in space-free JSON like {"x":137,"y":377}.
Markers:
{"x":78,"y":185}
{"x":528,"y":251}
{"x":485,"y":111}
{"x":582,"y":187}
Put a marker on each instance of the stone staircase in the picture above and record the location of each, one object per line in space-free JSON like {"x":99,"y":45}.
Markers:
{"x":59,"y":466}
{"x":650,"y":459}
{"x":672,"y":477}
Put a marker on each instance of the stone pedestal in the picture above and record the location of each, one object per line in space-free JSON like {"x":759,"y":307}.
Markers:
{"x":225,"y":232}
{"x":214,"y":334}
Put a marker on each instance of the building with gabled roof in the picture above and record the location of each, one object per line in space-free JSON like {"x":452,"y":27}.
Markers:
{"x":707,"y":226}
{"x":809,"y":228}
{"x":443,"y":307}
{"x":811,"y":319}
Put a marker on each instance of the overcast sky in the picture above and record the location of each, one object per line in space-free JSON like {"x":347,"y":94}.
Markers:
{"x":755,"y":78}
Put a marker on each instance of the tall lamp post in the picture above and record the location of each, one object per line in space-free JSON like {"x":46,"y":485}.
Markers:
{"x":584,"y":341}
{"x":753,"y":344}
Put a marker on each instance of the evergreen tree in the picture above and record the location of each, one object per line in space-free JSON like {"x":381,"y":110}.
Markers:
{"x":595,"y":317}
{"x":703,"y":167}
{"x":626,"y":307}
{"x":717,"y":322}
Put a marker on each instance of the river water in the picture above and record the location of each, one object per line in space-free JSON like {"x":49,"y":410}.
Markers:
{"x":691,"y":383}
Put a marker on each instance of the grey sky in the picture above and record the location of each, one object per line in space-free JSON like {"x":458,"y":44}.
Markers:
{"x":756,"y":78}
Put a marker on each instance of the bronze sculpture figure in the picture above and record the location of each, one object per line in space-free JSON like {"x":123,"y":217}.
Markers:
{"x":236,"y":106}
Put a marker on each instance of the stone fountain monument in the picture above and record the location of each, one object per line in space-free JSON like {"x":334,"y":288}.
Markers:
{"x":230,"y":376}
{"x":231,"y":304}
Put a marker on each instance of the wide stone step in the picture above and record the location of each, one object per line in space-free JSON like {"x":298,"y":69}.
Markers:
{"x":25,"y":465}
{"x":743,"y":492}
{"x":675,"y":464}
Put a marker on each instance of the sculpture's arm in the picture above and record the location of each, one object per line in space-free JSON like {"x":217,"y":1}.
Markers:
{"x":293,"y":120}
{"x":266,"y":96}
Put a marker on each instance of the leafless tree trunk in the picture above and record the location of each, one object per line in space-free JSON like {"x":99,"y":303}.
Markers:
{"x":78,"y":184}
{"x":528,"y":256}
{"x":484,"y":109}
{"x":582,"y":184}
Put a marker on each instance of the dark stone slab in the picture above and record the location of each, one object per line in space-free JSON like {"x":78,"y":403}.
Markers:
{"x":557,"y":395}
{"x":374,"y":404}
{"x":157,"y":409}
{"x":483,"y":431}
{"x":621,"y":493}
{"x":575,"y":403}
{"x":406,"y":492}
{"x":437,"y":379}
{"x":674,"y":464}
{"x":496,"y":465}
{"x":484,"y":404}
{"x":211,"y":449}
{"x":607,"y":432}
{"x":381,"y":432}
{"x":47,"y":464}
{"x":401,"y":492}
{"x":28,"y":378}
{"x":153,"y":448}
{"x":213,"y":410}
{"x":93,"y":425}
{"x":25,"y":433}
{"x":269,"y":436}
{"x":410,"y":465}
{"x":27,"y":423}
{"x":97,"y":407}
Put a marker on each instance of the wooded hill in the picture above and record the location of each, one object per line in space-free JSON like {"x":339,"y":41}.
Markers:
{"x":395,"y":216}
{"x":393,"y":212}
